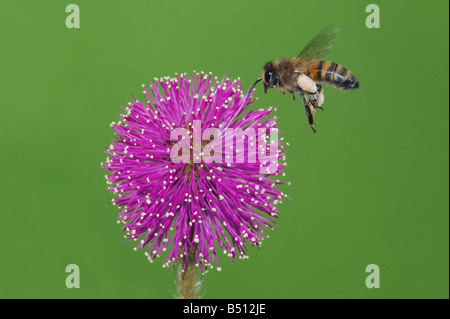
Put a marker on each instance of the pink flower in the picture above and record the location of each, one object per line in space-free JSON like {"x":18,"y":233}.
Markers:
{"x":195,"y":204}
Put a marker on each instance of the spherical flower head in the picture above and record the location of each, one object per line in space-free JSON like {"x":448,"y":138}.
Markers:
{"x":193,"y":169}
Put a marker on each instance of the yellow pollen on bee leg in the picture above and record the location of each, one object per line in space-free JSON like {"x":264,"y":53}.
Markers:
{"x":321,"y":98}
{"x":306,"y":84}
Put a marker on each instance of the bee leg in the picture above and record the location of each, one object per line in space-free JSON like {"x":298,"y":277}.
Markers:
{"x":309,"y":110}
{"x":316,"y":99}
{"x":320,"y":97}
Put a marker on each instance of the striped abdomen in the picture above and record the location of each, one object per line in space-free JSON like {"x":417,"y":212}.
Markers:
{"x":333,"y":74}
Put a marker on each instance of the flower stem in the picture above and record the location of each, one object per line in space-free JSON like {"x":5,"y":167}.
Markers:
{"x":187,"y":280}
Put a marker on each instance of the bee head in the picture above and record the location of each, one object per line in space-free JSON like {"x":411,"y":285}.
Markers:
{"x":270,"y":79}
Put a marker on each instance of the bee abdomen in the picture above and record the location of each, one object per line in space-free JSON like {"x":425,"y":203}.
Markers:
{"x":333,"y":74}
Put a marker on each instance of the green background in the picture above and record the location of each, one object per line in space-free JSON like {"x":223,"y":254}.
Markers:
{"x":370,"y":188}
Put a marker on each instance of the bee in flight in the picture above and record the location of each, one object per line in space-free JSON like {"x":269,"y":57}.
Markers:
{"x":306,"y":73}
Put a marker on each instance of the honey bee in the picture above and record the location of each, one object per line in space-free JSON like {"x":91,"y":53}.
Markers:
{"x":306,"y":73}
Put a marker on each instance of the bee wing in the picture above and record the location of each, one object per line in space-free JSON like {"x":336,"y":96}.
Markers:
{"x":318,"y":47}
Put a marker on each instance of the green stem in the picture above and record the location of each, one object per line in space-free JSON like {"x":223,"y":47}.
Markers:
{"x":188,"y":282}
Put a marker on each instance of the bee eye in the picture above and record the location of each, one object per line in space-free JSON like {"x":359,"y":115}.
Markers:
{"x":268,"y":76}
{"x":275,"y":80}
